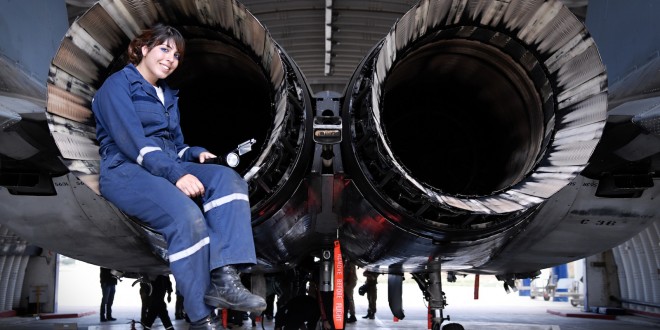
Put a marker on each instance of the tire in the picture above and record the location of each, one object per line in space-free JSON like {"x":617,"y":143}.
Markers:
{"x":453,"y":326}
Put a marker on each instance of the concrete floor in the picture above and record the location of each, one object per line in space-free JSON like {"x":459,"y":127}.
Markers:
{"x":502,"y":312}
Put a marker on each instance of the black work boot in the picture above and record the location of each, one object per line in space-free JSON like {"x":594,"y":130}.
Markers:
{"x":109,"y":313}
{"x":207,"y":323}
{"x":226,"y":291}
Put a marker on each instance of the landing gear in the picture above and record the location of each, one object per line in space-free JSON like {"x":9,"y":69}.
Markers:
{"x":431,"y":286}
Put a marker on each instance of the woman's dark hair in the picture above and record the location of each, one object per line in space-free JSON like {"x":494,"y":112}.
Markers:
{"x":156,"y":35}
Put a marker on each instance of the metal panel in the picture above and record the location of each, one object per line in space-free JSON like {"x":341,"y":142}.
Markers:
{"x":638,"y":264}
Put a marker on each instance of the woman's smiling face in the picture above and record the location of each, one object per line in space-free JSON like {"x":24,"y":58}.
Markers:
{"x":159,"y":62}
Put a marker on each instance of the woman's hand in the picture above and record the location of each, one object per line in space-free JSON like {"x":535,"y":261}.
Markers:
{"x":205,"y":155}
{"x":190,"y":185}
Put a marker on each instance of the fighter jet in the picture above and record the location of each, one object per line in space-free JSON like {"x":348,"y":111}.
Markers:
{"x":475,"y":137}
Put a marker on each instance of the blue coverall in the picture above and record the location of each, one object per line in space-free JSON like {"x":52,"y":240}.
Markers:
{"x":142,"y":157}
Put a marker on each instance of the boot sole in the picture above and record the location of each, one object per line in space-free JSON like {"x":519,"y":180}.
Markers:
{"x":218,"y":302}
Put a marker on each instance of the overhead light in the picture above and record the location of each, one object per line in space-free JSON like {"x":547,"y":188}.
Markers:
{"x":328,"y":38}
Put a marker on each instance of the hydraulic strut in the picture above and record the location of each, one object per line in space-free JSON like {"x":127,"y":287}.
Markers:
{"x":431,"y":286}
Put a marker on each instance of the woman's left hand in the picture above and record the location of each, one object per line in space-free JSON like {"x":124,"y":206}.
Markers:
{"x":205,"y":155}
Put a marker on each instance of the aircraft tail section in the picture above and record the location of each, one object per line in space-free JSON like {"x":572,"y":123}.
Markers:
{"x":458,"y":126}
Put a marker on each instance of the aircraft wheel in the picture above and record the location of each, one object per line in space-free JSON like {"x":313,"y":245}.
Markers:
{"x":453,"y":326}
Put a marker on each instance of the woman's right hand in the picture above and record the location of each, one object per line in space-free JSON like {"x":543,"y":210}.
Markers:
{"x":190,"y":185}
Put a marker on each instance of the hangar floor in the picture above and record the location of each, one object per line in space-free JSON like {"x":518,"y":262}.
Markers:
{"x":515,"y":313}
{"x":79,"y":295}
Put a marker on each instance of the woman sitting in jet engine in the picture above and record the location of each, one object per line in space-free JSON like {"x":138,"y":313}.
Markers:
{"x":148,"y":172}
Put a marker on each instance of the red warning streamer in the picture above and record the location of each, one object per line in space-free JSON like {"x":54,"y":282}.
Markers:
{"x":338,"y":298}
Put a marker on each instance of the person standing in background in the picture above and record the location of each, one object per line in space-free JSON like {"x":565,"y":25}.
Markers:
{"x":160,"y":286}
{"x":179,"y":311}
{"x":372,"y":293}
{"x":350,"y":281}
{"x":108,"y":286}
{"x":145,"y":297}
